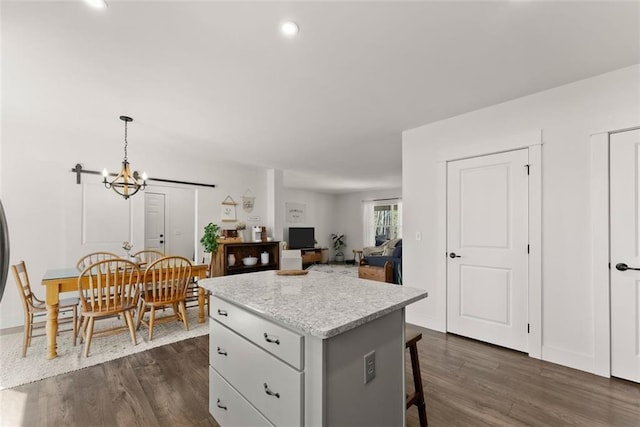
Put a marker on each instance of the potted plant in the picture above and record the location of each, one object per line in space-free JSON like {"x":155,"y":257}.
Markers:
{"x":210,"y":240}
{"x":338,"y":244}
{"x":240,"y":227}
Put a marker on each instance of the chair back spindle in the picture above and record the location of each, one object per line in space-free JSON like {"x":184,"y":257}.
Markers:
{"x":147,"y":256}
{"x":112,"y":284}
{"x":94,"y":257}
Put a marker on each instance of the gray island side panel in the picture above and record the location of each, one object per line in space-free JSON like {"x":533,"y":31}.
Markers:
{"x":320,"y":304}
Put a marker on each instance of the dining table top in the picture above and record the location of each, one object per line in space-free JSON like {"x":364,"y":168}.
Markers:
{"x":60,"y":273}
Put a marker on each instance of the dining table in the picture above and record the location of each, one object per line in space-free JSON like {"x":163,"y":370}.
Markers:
{"x":59,"y":280}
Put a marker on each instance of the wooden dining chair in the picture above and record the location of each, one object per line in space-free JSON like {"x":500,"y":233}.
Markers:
{"x":34,"y":307}
{"x":147,"y":256}
{"x":86,"y":260}
{"x":107,"y":288}
{"x":165,"y":285}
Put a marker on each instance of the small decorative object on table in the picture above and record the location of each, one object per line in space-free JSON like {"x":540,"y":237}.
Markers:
{"x":250,"y":260}
{"x":240,"y":227}
{"x":292,"y":272}
{"x":127,"y":247}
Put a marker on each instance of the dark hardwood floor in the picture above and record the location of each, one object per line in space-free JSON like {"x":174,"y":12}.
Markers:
{"x":467,"y":383}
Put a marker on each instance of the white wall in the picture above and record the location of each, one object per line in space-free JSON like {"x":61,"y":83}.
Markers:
{"x":567,"y":115}
{"x":349,"y":211}
{"x":43,"y":202}
{"x":320,"y":213}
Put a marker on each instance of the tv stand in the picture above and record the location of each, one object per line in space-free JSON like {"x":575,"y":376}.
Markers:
{"x":314,"y":256}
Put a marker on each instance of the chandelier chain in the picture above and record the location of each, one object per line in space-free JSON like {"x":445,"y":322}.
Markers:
{"x":125,"y":141}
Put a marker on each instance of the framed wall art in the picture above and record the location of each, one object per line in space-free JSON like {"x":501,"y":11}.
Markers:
{"x":229,"y":210}
{"x":295,"y":212}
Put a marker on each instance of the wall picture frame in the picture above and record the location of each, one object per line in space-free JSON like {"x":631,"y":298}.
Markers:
{"x":228,"y":210}
{"x":295,"y":212}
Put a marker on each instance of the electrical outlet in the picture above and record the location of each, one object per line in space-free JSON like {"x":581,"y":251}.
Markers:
{"x":369,"y":366}
{"x":418,"y":235}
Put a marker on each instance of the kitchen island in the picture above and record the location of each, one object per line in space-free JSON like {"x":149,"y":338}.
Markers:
{"x":314,"y":350}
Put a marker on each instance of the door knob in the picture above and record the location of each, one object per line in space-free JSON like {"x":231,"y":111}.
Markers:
{"x":624,"y":267}
{"x":161,"y":241}
{"x":453,"y":255}
{"x":162,"y":235}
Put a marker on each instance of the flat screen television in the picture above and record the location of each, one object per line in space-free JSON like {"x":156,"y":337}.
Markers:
{"x":301,"y":237}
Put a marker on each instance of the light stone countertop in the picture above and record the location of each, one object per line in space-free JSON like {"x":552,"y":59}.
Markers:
{"x":321,"y":304}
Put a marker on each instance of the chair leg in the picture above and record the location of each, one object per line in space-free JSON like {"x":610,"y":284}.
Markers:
{"x":129,"y":318}
{"x":82,"y":331}
{"x":176,"y":311}
{"x":30,"y":334}
{"x":152,"y":319}
{"x":75,"y":325}
{"x":417,"y":382}
{"x":183,"y":310}
{"x":87,"y":343}
{"x":25,"y":340}
{"x":141,"y":311}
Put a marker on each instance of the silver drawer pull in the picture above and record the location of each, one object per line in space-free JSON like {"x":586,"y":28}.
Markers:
{"x":269,"y":392}
{"x":222,"y":312}
{"x":220,"y":405}
{"x":222,"y":352}
{"x":266,"y":337}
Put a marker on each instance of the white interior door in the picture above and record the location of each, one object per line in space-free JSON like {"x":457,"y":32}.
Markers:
{"x":625,"y":249}
{"x":487,"y":248}
{"x":154,"y":221}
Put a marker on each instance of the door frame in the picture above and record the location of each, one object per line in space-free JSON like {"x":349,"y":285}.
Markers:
{"x":533,"y":141}
{"x":600,"y":249}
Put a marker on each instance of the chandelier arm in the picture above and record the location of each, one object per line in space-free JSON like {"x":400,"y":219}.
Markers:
{"x":78,"y":169}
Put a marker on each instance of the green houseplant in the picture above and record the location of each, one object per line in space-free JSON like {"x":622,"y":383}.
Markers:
{"x":210,"y":238}
{"x":338,"y":245}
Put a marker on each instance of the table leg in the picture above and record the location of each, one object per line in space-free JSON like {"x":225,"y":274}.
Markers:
{"x":201,"y":294}
{"x":52,"y":330}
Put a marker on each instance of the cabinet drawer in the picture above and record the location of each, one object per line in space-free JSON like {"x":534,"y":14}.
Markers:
{"x":228,"y":407}
{"x":271,"y":385}
{"x":276,"y":339}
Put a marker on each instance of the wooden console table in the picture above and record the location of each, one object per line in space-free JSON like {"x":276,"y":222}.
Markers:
{"x":220,"y":262}
{"x":314,"y":256}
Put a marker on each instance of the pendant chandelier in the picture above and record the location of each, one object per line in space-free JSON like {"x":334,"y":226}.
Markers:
{"x":125,"y":183}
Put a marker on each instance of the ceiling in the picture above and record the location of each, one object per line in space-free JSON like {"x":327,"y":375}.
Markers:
{"x":327,"y":107}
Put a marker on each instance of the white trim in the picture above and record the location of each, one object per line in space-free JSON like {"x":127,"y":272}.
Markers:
{"x":600,"y":253}
{"x":535,"y":254}
{"x":441,"y":239}
{"x":490,"y":146}
{"x":533,"y":141}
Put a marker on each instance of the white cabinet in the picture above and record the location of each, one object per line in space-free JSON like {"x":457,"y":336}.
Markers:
{"x":278,"y":340}
{"x":259,"y":360}
{"x":228,"y":407}
{"x":272,"y":386}
{"x":290,"y":350}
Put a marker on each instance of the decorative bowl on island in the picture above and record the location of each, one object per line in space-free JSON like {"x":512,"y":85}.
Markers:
{"x":250,"y":260}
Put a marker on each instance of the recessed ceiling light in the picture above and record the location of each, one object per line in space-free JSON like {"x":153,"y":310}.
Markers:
{"x":98,"y":4}
{"x":289,"y":28}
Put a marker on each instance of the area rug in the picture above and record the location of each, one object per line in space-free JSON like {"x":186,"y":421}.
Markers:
{"x":349,"y":270}
{"x":16,"y":370}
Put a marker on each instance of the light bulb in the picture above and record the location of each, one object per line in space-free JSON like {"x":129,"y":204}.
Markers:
{"x":105,"y":173}
{"x":98,"y":4}
{"x":144,"y":176}
{"x":289,"y":28}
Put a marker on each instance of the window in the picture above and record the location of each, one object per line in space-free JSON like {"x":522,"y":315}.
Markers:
{"x":382,"y":220}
